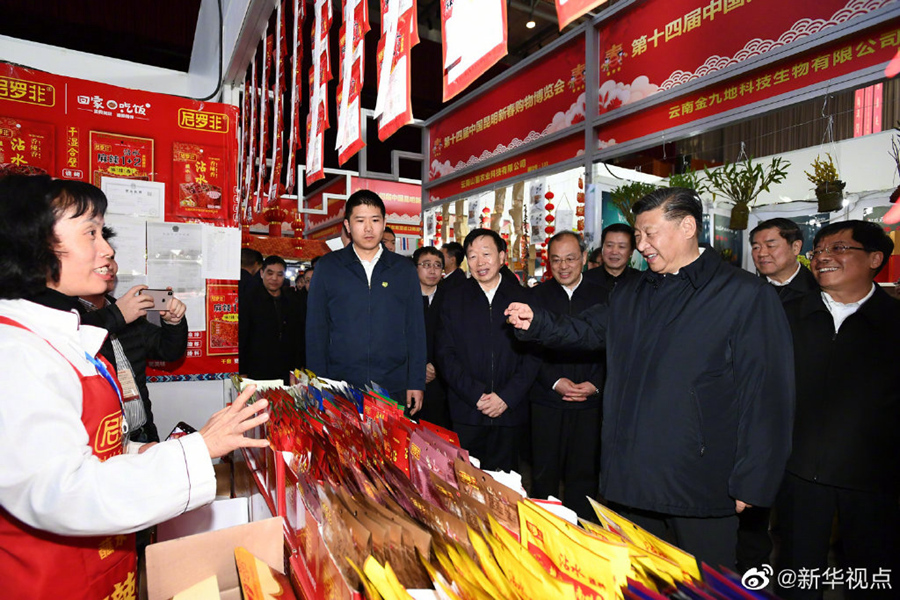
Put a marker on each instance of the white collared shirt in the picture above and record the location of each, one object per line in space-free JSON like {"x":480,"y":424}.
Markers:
{"x":786,"y":281}
{"x":571,"y":291}
{"x":369,"y":265}
{"x":492,"y":292}
{"x":840,"y":311}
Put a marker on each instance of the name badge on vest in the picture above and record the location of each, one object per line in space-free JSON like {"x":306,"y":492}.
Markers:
{"x":129,"y":386}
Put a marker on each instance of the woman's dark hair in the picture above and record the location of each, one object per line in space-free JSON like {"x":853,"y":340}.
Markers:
{"x":30,"y":206}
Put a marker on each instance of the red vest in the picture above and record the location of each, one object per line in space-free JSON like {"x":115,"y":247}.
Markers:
{"x":37,"y":564}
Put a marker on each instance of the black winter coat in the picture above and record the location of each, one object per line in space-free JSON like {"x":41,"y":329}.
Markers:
{"x":478,"y":353}
{"x":272,"y":334}
{"x":699,"y":397}
{"x":576,"y":365}
{"x":847,"y":427}
{"x":801,"y":285}
{"x":361,"y":333}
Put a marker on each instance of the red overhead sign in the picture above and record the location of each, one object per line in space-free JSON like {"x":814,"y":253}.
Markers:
{"x":841,"y":57}
{"x":543,"y":99}
{"x":658,"y":45}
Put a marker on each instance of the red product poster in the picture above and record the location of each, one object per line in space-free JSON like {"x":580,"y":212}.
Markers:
{"x":26,"y":146}
{"x":221,"y":319}
{"x":657,"y":45}
{"x":474,"y":38}
{"x":124,"y":156}
{"x":569,"y":10}
{"x":349,"y":136}
{"x":862,"y":50}
{"x":198,"y":180}
{"x":546,"y":98}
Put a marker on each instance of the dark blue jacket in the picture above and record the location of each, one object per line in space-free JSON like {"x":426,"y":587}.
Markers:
{"x":358,"y":333}
{"x":699,"y":400}
{"x":477,"y":352}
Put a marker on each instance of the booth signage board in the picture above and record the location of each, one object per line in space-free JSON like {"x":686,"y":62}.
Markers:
{"x":842,"y":57}
{"x":402,"y":203}
{"x":541,"y":100}
{"x":660,"y":44}
{"x":537,"y":158}
{"x":82,"y":130}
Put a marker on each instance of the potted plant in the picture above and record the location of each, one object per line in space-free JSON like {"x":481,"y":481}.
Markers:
{"x":829,"y":187}
{"x":624,"y":197}
{"x":742,"y":182}
{"x":691,"y":180}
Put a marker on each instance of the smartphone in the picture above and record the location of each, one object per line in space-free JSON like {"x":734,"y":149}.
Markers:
{"x":180,"y":430}
{"x":161,"y":298}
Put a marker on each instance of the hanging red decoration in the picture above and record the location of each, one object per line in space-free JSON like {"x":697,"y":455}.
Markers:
{"x":549,"y":218}
{"x":549,"y":229}
{"x":580,"y":183}
{"x":486,"y":210}
{"x":549,"y":195}
{"x":549,"y":206}
{"x":439,"y":217}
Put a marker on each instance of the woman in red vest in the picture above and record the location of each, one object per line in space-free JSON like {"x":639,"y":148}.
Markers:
{"x":72,"y":490}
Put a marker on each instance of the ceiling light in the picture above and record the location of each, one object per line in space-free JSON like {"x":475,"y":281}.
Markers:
{"x":530,"y":24}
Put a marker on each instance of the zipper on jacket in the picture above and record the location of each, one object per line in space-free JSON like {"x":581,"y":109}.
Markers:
{"x":700,"y":440}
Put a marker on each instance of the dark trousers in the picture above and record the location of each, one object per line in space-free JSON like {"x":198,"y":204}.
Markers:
{"x":496,"y":447}
{"x":869,"y":525}
{"x":754,"y":546}
{"x":709,"y":539}
{"x":566,"y":448}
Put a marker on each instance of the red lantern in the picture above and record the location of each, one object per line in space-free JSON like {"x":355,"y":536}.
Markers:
{"x":439,"y":217}
{"x":549,"y":218}
{"x":549,"y":206}
{"x":549,"y":195}
{"x":486,"y":210}
{"x":549,"y":229}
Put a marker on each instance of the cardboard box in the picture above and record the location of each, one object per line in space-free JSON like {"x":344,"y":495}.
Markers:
{"x":220,"y":514}
{"x":224,"y":483}
{"x":178,"y":564}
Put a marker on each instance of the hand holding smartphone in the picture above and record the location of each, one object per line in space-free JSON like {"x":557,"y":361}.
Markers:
{"x":161,"y":298}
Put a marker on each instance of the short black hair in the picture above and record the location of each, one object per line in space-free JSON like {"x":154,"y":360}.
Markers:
{"x":619,"y":228}
{"x":788,"y":229}
{"x":426,"y":250}
{"x":30,"y":206}
{"x":567,"y":233}
{"x":312,"y":263}
{"x":274,"y":259}
{"x":595,"y":256}
{"x":387,"y":229}
{"x":868,"y":234}
{"x":250,"y":257}
{"x":477,"y":233}
{"x":360,"y":197}
{"x":676,"y":202}
{"x":455,"y":250}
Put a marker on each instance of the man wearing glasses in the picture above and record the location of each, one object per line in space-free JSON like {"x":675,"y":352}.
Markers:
{"x":429,"y":265}
{"x":565,"y":397}
{"x":845,"y":458}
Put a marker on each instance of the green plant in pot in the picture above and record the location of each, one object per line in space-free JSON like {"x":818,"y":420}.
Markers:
{"x":691,"y":180}
{"x":742,"y":182}
{"x":624,"y":197}
{"x":829,"y":187}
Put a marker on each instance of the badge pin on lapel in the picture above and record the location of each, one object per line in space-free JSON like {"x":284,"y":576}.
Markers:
{"x":384,"y":284}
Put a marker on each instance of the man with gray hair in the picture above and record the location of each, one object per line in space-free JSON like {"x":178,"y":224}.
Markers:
{"x":698,"y":401}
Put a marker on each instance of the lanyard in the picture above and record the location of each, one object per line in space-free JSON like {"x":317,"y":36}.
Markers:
{"x":101,"y":368}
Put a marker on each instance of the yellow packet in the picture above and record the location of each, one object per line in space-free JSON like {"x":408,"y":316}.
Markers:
{"x":368,"y":588}
{"x":387,"y":586}
{"x":490,"y":566}
{"x":642,"y":538}
{"x":523,"y":571}
{"x":464,"y":580}
{"x":571,"y":551}
{"x":464,"y":561}
{"x":440,"y":584}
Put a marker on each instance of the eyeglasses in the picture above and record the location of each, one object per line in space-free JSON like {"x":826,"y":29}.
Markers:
{"x":569,"y":261}
{"x":430,"y":265}
{"x":833,"y":248}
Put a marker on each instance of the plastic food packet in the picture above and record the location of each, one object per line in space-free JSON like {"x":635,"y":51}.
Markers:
{"x":259,"y":580}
